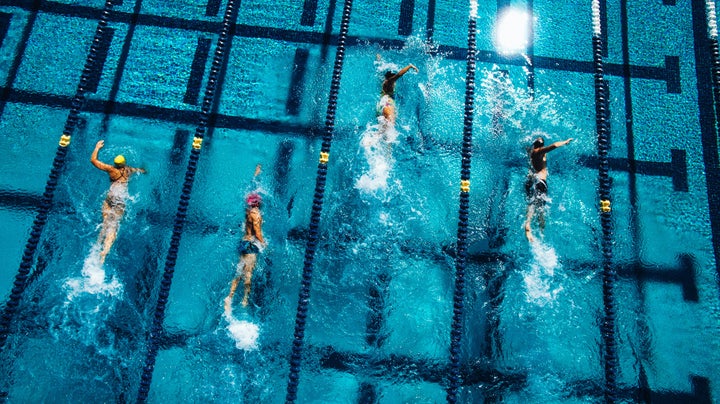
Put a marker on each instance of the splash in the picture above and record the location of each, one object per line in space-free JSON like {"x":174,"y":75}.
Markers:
{"x":90,"y":302}
{"x":539,"y":281}
{"x":93,"y":278}
{"x":244,"y":333}
{"x":376,"y":143}
{"x":381,"y":66}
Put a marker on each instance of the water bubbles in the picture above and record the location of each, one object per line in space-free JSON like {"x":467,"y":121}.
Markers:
{"x":540,"y":286}
{"x":244,"y":333}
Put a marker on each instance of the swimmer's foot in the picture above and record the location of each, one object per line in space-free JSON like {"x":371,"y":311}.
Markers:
{"x":228,"y":302}
{"x":245,"y":301}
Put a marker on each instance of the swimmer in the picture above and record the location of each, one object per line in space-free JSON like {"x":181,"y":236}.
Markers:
{"x":536,"y":184}
{"x":386,"y":105}
{"x":114,"y":204}
{"x":250,"y":246}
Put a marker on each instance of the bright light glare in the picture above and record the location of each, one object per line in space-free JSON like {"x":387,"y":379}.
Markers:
{"x":512,"y":31}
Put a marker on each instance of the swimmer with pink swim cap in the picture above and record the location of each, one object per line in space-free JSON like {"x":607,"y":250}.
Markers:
{"x":253,"y":199}
{"x":249,"y":248}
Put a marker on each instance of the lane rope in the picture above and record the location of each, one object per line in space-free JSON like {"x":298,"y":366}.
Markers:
{"x":156,"y":330}
{"x":304,"y":295}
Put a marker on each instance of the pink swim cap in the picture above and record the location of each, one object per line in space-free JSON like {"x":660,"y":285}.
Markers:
{"x":253,"y":199}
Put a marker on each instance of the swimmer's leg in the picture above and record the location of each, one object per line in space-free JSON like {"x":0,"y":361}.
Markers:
{"x":234,"y":285}
{"x":108,"y":232}
{"x":528,"y":219}
{"x":250,"y":261}
{"x":103,"y":227}
{"x":541,"y":219}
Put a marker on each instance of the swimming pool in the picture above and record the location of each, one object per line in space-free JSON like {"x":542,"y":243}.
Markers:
{"x":380,"y":311}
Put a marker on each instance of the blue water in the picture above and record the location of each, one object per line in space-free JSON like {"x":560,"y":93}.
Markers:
{"x":381,"y":301}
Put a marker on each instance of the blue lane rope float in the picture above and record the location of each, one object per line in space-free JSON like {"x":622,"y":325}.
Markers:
{"x":304,"y":295}
{"x":20,"y":283}
{"x":463,"y":213}
{"x":607,"y":329}
{"x":156,"y":330}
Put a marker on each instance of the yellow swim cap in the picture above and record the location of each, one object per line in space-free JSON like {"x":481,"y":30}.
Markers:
{"x":119,"y":160}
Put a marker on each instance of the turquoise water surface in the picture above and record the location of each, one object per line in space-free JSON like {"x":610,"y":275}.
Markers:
{"x":381,"y":306}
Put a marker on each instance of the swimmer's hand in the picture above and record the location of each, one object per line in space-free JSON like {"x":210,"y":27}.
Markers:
{"x":412,"y":66}
{"x":99,"y":145}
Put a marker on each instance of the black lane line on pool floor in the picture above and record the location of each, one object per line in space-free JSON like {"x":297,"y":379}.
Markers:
{"x":103,"y":49}
{"x":405,"y":22}
{"x":297,"y":82}
{"x":430,"y":24}
{"x":4,"y":26}
{"x":197,"y":71}
{"x":121,"y":64}
{"x":676,"y":168}
{"x":307,"y":19}
{"x":212,"y":8}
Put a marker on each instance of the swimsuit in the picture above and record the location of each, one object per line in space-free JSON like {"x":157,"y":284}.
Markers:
{"x":536,"y":189}
{"x":248,"y":247}
{"x":117,"y":195}
{"x":385,"y":101}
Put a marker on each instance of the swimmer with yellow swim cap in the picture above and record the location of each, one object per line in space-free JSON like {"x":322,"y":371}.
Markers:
{"x":114,"y":204}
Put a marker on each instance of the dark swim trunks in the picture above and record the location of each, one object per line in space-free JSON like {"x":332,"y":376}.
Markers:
{"x":536,"y":189}
{"x":247,"y":247}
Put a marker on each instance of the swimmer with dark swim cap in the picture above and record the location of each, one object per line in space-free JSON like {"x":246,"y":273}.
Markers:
{"x":114,"y":204}
{"x":386,"y":105}
{"x":536,"y":183}
{"x":249,"y":248}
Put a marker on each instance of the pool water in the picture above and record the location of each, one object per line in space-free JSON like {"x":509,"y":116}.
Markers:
{"x":381,"y":304}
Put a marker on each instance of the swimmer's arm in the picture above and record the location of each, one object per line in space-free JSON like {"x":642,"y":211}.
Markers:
{"x":555,"y":145}
{"x":137,"y":170}
{"x":405,"y":70}
{"x":94,"y":157}
{"x":257,"y":226}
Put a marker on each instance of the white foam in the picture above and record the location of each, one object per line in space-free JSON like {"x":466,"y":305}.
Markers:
{"x":382,"y":66}
{"x":540,"y":285}
{"x":376,"y":143}
{"x":244,"y":333}
{"x":93,"y":278}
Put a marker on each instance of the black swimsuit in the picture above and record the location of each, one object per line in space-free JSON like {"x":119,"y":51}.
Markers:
{"x":536,"y":189}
